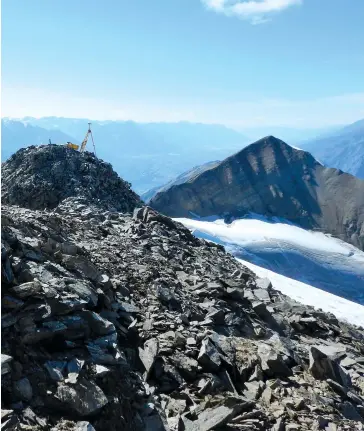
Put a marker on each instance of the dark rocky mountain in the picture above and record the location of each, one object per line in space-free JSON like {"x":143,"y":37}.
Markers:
{"x":272,"y":178}
{"x":343,"y":149}
{"x":113,"y":320}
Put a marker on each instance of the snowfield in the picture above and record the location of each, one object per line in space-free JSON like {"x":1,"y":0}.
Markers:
{"x":310,"y":267}
{"x":342,"y":308}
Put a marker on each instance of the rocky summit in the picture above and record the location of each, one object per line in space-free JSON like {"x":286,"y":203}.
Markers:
{"x":42,"y":177}
{"x":118,"y":320}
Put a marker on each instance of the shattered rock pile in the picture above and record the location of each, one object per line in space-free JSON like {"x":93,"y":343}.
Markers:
{"x":126,"y":321}
{"x":42,"y":177}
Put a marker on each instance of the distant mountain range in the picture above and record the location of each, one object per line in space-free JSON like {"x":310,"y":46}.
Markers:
{"x":147,"y":155}
{"x":153,"y":154}
{"x":291,"y":135}
{"x":342,"y":149}
{"x":16,"y":135}
{"x":271,"y":178}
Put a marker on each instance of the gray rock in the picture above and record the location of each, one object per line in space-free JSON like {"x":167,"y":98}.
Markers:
{"x":263,"y":283}
{"x":5,"y":414}
{"x":97,"y":324}
{"x":175,"y":406}
{"x":213,"y":418}
{"x":55,"y":369}
{"x":262,"y":295}
{"x":339,"y":389}
{"x":85,"y":397}
{"x":84,"y":426}
{"x":322,"y":367}
{"x":148,"y":354}
{"x":83,"y":290}
{"x":209,"y":356}
{"x":5,"y":363}
{"x":74,"y":367}
{"x":101,"y":370}
{"x":216,"y":315}
{"x":355,"y":398}
{"x":262,"y":311}
{"x":191,"y":342}
{"x":272,"y":363}
{"x":253,"y":390}
{"x":186,"y":366}
{"x":27,"y":289}
{"x":350,"y":412}
{"x":348,"y":362}
{"x":267,"y":396}
{"x":23,"y":389}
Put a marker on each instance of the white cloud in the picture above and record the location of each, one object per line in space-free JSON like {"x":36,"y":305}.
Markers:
{"x":259,"y":112}
{"x":257,"y":11}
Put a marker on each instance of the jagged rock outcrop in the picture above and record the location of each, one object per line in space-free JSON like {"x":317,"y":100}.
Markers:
{"x":41,"y":177}
{"x":271,"y":178}
{"x":126,"y":321}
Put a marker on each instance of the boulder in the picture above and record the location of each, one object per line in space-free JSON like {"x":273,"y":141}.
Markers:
{"x":23,"y":389}
{"x":272,"y":363}
{"x":84,"y":398}
{"x":148,"y":354}
{"x":322,"y":367}
{"x":209,"y":357}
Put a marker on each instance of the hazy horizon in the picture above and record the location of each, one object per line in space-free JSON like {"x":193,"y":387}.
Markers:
{"x":239,"y":63}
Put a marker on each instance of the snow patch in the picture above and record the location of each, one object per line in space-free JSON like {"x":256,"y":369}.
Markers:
{"x":244,"y":232}
{"x":342,"y":308}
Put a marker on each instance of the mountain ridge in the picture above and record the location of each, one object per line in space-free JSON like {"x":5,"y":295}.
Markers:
{"x":271,"y":178}
{"x":343,"y":149}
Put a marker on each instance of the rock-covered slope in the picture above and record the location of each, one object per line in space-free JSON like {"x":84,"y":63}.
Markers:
{"x":41,"y":177}
{"x":126,"y":321}
{"x":271,"y":178}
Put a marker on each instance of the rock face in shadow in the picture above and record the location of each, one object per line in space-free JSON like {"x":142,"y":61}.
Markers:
{"x":270,"y":177}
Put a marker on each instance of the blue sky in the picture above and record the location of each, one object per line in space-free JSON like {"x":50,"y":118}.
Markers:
{"x":297,"y":63}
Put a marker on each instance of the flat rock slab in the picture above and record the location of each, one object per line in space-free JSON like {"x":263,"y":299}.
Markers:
{"x":263,"y":283}
{"x":148,"y":354}
{"x":212,"y":418}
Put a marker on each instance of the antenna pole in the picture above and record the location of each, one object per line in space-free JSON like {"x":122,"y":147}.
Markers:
{"x":93,"y":143}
